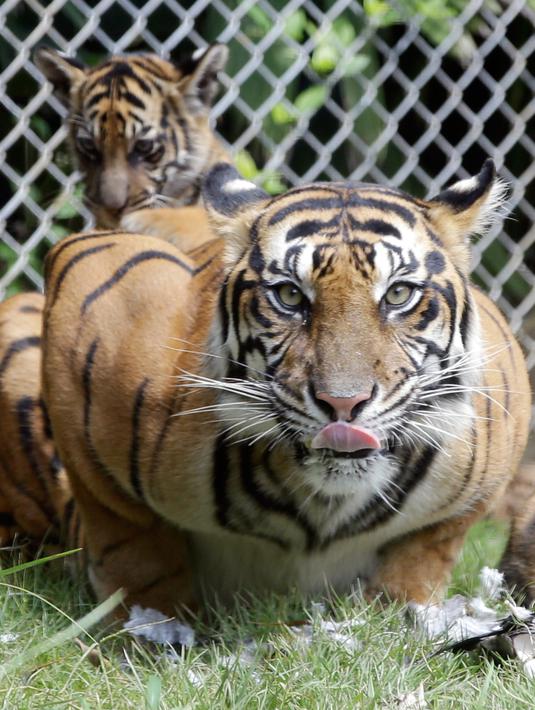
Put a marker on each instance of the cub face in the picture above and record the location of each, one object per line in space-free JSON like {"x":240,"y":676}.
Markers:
{"x":138,"y":127}
{"x":351,"y":303}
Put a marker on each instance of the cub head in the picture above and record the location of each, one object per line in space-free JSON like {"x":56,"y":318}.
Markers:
{"x":138,"y":126}
{"x":347,"y":312}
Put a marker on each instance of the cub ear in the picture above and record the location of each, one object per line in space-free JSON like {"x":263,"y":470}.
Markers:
{"x":232,"y":204}
{"x":199,"y":81}
{"x":62,"y":71}
{"x":466,"y":208}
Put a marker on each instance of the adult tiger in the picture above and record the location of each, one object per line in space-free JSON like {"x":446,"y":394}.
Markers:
{"x":139,"y":129}
{"x":345,"y":404}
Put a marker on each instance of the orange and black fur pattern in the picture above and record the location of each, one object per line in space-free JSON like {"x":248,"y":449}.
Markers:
{"x":35,"y":496}
{"x":139,"y":129}
{"x":315,"y":399}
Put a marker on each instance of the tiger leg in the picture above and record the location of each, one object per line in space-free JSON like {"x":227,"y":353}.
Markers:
{"x":185,"y":227}
{"x":139,"y":553}
{"x":418,"y":567}
{"x":518,"y":563}
{"x":33,"y":484}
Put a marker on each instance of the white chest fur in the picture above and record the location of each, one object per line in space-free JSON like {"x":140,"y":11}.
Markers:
{"x":227,"y":563}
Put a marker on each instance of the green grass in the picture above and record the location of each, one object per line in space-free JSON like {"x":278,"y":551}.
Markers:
{"x":38,"y":602}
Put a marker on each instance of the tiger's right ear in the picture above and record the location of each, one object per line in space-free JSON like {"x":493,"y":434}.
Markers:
{"x":61,"y":71}
{"x":232,"y":204}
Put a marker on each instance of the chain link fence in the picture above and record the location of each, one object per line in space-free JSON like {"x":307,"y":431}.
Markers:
{"x":413,"y":93}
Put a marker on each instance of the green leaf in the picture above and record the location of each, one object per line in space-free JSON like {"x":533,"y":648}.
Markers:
{"x":381,"y":12}
{"x":245,"y":165}
{"x":69,"y":208}
{"x":296,"y":25}
{"x":57,"y":232}
{"x":324,"y":59}
{"x":153,"y":692}
{"x":311,"y":99}
{"x":355,"y":65}
{"x":260,"y":18}
{"x":272,"y":183}
{"x":281,"y":116}
{"x":344,"y":30}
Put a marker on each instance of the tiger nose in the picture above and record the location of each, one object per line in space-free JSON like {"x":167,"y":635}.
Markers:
{"x":344,"y":408}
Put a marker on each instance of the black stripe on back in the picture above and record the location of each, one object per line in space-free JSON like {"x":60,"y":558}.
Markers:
{"x":122,"y":271}
{"x":18,"y":346}
{"x":135,"y":480}
{"x":25,"y":407}
{"x":80,"y":256}
{"x":52,"y":256}
{"x":86,"y":384}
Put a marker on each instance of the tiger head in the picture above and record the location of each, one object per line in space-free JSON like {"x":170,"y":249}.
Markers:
{"x":138,"y":126}
{"x":349,"y":304}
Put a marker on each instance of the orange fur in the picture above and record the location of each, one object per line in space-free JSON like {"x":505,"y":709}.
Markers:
{"x":170,"y":507}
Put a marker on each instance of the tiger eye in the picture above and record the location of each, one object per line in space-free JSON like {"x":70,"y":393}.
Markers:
{"x":398,"y":294}
{"x":289,"y":295}
{"x":144,"y":146}
{"x":87,"y":146}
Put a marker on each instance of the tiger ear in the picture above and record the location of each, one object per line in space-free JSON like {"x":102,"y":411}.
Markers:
{"x":199,"y":83}
{"x":62,"y":71}
{"x":232,"y":204}
{"x":466,"y":208}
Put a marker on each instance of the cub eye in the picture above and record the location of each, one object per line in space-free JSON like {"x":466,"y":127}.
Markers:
{"x":87,"y":146}
{"x":289,"y":295}
{"x":399,"y":293}
{"x":148,"y":149}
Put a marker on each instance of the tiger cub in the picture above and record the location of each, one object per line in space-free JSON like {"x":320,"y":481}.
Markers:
{"x":316,"y":398}
{"x":139,"y":129}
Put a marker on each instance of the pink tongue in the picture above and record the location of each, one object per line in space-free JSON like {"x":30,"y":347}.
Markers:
{"x":340,"y":436}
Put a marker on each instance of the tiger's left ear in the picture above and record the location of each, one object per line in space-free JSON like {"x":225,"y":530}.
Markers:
{"x":232,"y":204}
{"x":466,"y":208}
{"x":199,"y":82}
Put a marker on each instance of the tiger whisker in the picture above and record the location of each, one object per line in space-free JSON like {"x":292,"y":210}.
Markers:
{"x":253,"y":421}
{"x":441,"y":414}
{"x":256,"y":438}
{"x":220,"y":357}
{"x":245,"y":388}
{"x":473,"y":390}
{"x":444,"y":431}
